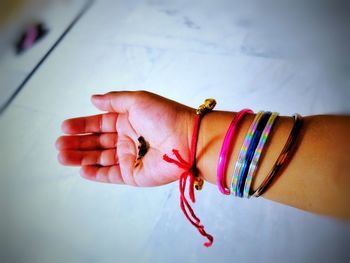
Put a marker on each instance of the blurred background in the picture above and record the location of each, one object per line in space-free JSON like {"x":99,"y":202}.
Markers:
{"x":29,"y":29}
{"x":286,"y":56}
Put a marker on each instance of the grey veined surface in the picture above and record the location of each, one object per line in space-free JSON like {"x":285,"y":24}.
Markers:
{"x":285,"y":56}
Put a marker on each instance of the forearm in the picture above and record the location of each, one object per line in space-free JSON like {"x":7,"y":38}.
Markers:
{"x":315,"y":179}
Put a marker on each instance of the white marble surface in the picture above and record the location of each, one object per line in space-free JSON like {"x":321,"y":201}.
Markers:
{"x":185,"y":50}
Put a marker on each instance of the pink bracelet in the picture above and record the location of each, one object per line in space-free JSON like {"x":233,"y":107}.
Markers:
{"x":222,"y":163}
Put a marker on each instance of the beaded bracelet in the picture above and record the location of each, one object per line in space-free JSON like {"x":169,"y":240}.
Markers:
{"x":283,"y":157}
{"x":250,"y":152}
{"x":226,"y":145}
{"x":257,"y":154}
{"x":243,"y":152}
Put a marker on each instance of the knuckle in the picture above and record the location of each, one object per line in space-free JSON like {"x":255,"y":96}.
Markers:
{"x":141,"y":93}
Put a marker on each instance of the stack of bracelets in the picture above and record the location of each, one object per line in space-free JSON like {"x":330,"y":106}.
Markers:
{"x":247,"y":162}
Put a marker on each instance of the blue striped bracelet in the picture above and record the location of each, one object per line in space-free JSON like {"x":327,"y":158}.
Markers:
{"x":257,"y":154}
{"x":243,"y":152}
{"x":250,"y":152}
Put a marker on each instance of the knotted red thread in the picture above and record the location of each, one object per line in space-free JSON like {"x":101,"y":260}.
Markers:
{"x":190,"y":173}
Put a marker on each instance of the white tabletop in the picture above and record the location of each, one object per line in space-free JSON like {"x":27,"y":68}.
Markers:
{"x":187,"y":51}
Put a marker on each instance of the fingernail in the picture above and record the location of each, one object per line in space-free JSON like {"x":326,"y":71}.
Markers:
{"x":60,"y":158}
{"x":64,"y":127}
{"x":58,"y":144}
{"x":97,"y":96}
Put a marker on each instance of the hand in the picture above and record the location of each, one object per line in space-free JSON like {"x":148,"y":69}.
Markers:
{"x":106,"y":145}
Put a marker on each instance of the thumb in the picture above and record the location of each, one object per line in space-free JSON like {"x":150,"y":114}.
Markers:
{"x":116,"y":101}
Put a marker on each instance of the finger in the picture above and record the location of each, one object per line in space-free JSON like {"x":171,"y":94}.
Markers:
{"x":127,"y":163}
{"x":87,"y":142}
{"x":91,"y":124}
{"x":109,"y":174}
{"x":75,"y":158}
{"x":117,"y":101}
{"x":126,"y":152}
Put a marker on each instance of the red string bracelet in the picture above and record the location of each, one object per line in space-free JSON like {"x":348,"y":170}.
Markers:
{"x":191,"y":173}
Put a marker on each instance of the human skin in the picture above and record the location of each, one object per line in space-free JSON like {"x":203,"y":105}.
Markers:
{"x":315,"y":179}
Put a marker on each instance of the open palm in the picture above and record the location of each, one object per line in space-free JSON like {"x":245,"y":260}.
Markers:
{"x":106,"y":145}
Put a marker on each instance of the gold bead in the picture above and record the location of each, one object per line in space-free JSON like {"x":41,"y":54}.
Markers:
{"x":198,"y":183}
{"x":208,"y":105}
